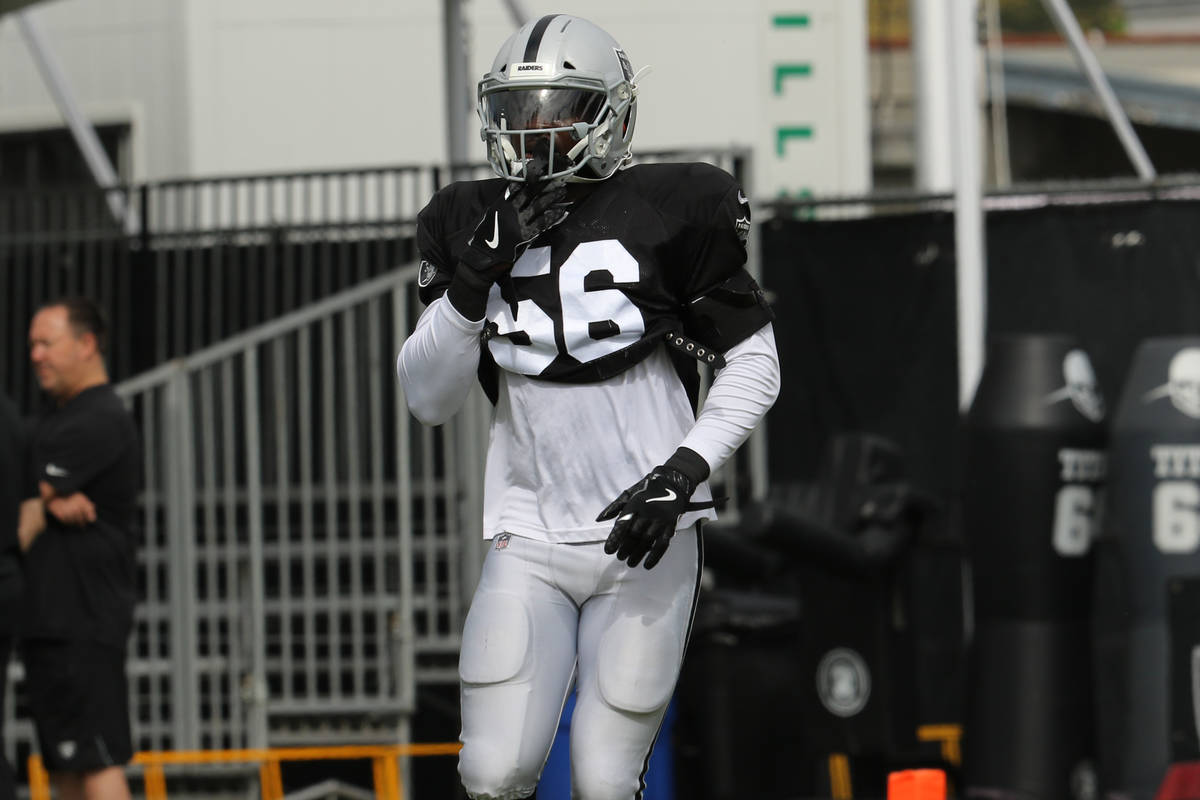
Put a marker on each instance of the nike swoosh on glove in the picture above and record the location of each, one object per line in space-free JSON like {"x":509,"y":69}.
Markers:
{"x":524,"y":212}
{"x":647,"y":514}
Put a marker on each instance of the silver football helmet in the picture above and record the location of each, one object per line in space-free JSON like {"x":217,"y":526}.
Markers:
{"x":561,"y":90}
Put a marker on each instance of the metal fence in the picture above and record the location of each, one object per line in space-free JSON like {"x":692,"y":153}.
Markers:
{"x":202,"y":259}
{"x":195,"y":261}
{"x":306,"y":548}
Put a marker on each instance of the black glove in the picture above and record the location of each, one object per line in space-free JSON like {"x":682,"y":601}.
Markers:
{"x":648,"y":511}
{"x":525,"y":211}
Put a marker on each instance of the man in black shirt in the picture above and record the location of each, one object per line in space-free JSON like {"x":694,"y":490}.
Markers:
{"x":12,"y":465}
{"x":80,"y":569}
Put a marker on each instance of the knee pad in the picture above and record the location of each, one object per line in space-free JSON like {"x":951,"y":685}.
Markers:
{"x":495,"y":640}
{"x":638,"y":664}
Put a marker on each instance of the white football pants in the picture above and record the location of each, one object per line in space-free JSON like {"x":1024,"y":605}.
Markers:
{"x":544,"y":613}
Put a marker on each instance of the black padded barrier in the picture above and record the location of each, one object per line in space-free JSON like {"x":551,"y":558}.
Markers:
{"x":1147,"y":561}
{"x":1035,"y":467}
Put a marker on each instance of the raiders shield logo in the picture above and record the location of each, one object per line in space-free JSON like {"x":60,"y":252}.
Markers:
{"x":742,"y":226}
{"x":426,"y":275}
{"x":843,"y":682}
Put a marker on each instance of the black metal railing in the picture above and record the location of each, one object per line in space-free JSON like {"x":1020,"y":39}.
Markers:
{"x":181,"y":264}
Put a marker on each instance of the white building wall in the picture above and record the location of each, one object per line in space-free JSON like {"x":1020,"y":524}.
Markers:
{"x":290,"y":85}
{"x":121,"y":60}
{"x":233,"y":86}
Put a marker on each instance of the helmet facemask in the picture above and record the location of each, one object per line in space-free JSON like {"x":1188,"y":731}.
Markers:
{"x":572,"y":130}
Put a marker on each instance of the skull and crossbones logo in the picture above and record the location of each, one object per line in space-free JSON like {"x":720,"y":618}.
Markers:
{"x":1183,"y":382}
{"x":1081,"y":386}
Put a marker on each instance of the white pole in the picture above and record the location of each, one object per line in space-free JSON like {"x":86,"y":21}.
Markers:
{"x":1065,"y":20}
{"x":81,"y":128}
{"x":968,"y":204}
{"x":459,"y":97}
{"x":929,"y":21}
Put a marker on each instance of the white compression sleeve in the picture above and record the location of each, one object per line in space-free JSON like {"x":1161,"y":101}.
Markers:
{"x":438,"y":362}
{"x":740,"y":395}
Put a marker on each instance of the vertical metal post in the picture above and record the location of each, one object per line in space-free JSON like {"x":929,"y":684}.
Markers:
{"x":459,"y":97}
{"x":756,"y":446}
{"x":1068,"y":26}
{"x":181,"y":545}
{"x":403,"y":631}
{"x":968,"y":201}
{"x":930,"y":21}
{"x":257,"y":702}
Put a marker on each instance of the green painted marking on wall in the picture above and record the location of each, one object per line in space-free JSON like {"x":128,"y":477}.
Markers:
{"x":783,"y":134}
{"x":783,"y":71}
{"x":790,"y":20}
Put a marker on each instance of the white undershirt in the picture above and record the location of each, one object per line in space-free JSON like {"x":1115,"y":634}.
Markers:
{"x":560,"y":452}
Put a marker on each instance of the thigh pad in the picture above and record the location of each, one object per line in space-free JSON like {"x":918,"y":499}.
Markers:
{"x":639,"y":662}
{"x":495,"y":641}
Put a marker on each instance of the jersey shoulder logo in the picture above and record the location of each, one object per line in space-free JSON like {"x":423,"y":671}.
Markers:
{"x":742,"y":227}
{"x":426,"y":275}
{"x":55,"y":471}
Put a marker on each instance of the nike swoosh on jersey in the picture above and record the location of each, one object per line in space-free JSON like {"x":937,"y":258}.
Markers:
{"x":55,"y":471}
{"x":495,"y":240}
{"x":666,"y":498}
{"x":742,"y":198}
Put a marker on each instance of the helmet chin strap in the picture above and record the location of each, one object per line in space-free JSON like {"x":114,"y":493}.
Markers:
{"x":599,"y":131}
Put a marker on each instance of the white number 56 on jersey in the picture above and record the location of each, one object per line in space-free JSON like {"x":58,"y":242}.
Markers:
{"x":580,"y":310}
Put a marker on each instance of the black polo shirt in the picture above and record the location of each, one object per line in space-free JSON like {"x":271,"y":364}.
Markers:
{"x":80,"y":580}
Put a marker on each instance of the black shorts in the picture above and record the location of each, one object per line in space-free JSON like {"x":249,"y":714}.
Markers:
{"x":79,"y":701}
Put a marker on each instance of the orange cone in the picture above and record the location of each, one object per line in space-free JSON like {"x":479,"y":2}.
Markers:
{"x":917,"y":784}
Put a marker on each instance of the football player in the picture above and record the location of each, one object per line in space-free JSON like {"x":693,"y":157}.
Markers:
{"x":584,"y":293}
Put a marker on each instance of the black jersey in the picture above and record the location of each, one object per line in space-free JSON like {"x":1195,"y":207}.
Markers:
{"x":653,"y":250}
{"x":80,"y":580}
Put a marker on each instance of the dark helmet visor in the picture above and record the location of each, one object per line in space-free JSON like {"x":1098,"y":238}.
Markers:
{"x":531,"y":109}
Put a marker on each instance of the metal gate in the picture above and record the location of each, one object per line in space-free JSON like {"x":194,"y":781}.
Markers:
{"x":306,"y":547}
